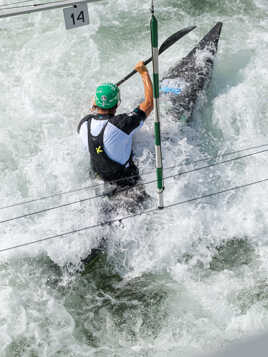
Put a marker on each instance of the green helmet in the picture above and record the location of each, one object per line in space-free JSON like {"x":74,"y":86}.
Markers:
{"x":107,"y":96}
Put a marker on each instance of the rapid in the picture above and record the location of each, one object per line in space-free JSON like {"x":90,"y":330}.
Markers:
{"x":188,"y":279}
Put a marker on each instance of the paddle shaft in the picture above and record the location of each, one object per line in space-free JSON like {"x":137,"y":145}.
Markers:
{"x":132,"y":73}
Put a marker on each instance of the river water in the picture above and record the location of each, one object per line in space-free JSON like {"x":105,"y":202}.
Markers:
{"x":184,"y":280}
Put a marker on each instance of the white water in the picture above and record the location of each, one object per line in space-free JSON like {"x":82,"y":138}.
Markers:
{"x":189,"y":279}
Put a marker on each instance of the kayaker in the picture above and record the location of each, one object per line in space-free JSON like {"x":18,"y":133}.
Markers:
{"x":108,"y":137}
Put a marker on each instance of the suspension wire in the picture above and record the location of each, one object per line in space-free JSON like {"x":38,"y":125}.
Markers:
{"x":128,"y":188}
{"x":142,"y":213}
{"x":10,"y":5}
{"x":15,"y":3}
{"x":145,"y":173}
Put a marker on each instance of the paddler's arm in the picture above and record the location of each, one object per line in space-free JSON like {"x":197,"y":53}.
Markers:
{"x":147,"y":105}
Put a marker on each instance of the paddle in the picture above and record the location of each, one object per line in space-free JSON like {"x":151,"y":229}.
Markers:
{"x":165,"y":45}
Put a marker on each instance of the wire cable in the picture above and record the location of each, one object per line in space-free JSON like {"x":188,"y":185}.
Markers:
{"x":125,"y":189}
{"x":112,"y":221}
{"x":145,"y":173}
{"x":14,"y":3}
{"x":10,"y":5}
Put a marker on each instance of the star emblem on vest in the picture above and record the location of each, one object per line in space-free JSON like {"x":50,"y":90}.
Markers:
{"x":99,"y":150}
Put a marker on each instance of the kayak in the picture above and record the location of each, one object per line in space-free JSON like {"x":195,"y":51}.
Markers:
{"x":189,"y":77}
{"x":120,"y":202}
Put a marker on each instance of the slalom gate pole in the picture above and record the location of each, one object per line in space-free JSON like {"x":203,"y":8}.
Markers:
{"x":157,"y":132}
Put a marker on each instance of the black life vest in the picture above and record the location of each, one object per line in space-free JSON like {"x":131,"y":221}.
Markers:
{"x":101,"y":163}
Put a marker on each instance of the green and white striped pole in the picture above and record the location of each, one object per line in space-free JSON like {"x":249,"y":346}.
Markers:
{"x":158,"y":152}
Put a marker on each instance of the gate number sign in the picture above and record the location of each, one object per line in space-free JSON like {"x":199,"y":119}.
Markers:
{"x":76,"y":16}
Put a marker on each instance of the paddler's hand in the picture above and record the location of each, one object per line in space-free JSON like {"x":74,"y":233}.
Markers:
{"x":141,"y":68}
{"x":147,"y":105}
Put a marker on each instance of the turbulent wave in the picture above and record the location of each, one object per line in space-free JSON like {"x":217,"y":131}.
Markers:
{"x":185,"y":280}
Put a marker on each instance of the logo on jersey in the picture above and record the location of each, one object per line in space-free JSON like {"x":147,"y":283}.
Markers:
{"x":99,"y":150}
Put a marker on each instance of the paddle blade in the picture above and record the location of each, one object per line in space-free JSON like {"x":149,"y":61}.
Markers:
{"x":174,"y":38}
{"x":171,"y":40}
{"x":165,"y":45}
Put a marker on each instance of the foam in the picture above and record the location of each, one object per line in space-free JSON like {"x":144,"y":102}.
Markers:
{"x":166,"y":287}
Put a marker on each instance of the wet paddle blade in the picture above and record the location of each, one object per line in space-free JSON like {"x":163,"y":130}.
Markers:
{"x":165,"y":45}
{"x":175,"y":37}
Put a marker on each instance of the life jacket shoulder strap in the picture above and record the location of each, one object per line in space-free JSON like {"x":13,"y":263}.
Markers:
{"x":84,"y":120}
{"x":98,"y":140}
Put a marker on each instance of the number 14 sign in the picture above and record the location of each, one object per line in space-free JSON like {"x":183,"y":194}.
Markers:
{"x":76,"y":16}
